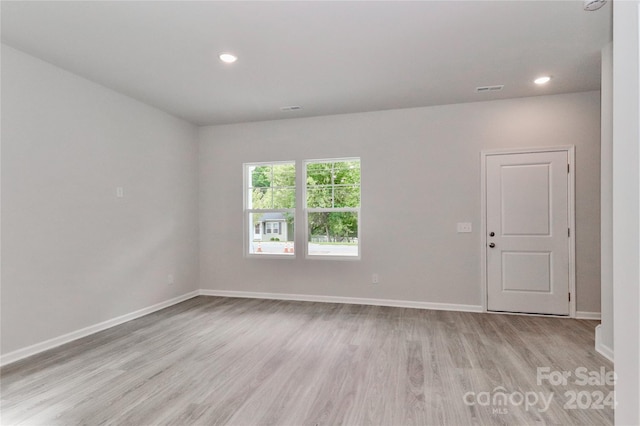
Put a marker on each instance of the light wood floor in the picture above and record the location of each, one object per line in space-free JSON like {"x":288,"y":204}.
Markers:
{"x":212,"y":360}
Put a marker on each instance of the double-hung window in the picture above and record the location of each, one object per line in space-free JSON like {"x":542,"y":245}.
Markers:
{"x":270,"y":201}
{"x":332,"y":207}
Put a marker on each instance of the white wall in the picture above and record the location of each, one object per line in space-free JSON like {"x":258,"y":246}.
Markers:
{"x":73,"y":254}
{"x":604,"y":336}
{"x":626,"y":209}
{"x":420,"y":175}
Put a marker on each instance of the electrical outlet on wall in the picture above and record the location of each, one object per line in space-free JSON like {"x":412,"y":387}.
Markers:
{"x":170,"y":279}
{"x":375,"y":279}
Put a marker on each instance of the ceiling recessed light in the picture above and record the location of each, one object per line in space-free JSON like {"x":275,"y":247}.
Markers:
{"x":542,"y":80}
{"x":228,"y":58}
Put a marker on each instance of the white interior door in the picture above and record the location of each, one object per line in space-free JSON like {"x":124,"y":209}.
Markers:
{"x":527,"y":225}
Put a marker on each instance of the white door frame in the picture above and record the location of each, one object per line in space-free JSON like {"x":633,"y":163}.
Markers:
{"x":571,"y":153}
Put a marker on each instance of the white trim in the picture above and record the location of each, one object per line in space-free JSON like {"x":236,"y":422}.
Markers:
{"x":601,"y":348}
{"x":525,"y":314}
{"x":588,"y":315}
{"x":345,"y":300}
{"x":571,"y":155}
{"x":579,"y":315}
{"x":83,"y":332}
{"x":483,"y":231}
{"x":592,"y":316}
{"x":506,"y":151}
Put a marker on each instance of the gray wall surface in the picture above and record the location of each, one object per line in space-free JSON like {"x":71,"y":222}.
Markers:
{"x":420,"y":176}
{"x":73,"y":254}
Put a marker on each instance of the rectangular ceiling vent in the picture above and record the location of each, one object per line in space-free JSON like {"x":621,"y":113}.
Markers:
{"x":483,"y":89}
{"x":290,"y":108}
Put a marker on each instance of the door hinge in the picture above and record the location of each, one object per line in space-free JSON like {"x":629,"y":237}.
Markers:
{"x":568,"y":168}
{"x":568,"y":232}
{"x":569,"y":297}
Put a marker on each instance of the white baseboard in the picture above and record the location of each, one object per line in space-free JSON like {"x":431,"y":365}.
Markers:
{"x":602,"y":349}
{"x":346,"y":300}
{"x":74,"y":335}
{"x":588,"y":315}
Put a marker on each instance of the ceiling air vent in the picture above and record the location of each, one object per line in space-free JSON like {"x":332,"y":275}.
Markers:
{"x":483,"y":89}
{"x":290,"y":108}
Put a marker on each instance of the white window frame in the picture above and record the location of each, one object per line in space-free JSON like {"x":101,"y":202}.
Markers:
{"x":249,"y":228}
{"x":307,"y":210}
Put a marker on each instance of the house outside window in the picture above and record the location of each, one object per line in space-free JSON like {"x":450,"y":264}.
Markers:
{"x":275,"y":223}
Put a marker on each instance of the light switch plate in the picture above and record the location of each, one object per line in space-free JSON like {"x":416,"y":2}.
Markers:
{"x":464,"y":226}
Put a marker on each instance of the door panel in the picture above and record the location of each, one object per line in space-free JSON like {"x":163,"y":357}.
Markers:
{"x":526,"y":272}
{"x":527,"y":210}
{"x":525,"y":199}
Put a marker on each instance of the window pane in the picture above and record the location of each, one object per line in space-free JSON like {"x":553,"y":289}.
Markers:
{"x":319,"y":197}
{"x":284,"y":198}
{"x":271,"y":233}
{"x":347,"y":172}
{"x":261,"y":198}
{"x":319,"y":174}
{"x":271,"y":186}
{"x":284,"y":175}
{"x":260,"y":176}
{"x":347,"y":196}
{"x":333,"y":185}
{"x":333,"y":234}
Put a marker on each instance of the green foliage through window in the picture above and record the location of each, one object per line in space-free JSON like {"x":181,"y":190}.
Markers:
{"x":333,"y":185}
{"x":273,"y":186}
{"x":333,"y":203}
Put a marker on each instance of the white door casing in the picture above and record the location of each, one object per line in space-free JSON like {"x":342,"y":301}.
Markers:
{"x":528,"y":207}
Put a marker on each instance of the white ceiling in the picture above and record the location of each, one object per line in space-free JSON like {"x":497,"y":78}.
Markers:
{"x":328,"y":57}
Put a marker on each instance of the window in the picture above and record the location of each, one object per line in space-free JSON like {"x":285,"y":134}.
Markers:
{"x":270,"y":200}
{"x":332,"y":207}
{"x":273,"y":228}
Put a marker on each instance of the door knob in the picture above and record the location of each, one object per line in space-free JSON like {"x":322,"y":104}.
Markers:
{"x":492,"y":245}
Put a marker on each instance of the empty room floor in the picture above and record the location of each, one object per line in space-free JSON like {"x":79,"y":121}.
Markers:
{"x":213,"y":360}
